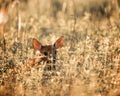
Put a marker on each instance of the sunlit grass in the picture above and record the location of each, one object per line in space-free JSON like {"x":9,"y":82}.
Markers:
{"x":87,"y":65}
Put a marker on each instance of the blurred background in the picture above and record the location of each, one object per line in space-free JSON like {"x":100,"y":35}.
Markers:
{"x":65,"y":8}
{"x":46,"y":14}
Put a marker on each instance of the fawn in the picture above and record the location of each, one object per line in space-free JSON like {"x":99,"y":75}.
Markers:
{"x":48,"y":51}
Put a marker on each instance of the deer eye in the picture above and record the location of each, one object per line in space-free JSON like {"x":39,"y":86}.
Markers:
{"x":46,"y":53}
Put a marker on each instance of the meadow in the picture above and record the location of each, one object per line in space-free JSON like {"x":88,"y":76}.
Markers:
{"x":88,"y":64}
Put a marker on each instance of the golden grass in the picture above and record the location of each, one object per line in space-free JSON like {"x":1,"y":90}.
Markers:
{"x":87,"y":65}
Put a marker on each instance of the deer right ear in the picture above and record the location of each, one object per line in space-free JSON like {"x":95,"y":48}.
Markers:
{"x":36,"y":44}
{"x":59,"y":43}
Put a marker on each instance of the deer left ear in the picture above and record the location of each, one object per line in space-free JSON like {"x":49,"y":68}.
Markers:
{"x":59,"y":43}
{"x":36,"y":44}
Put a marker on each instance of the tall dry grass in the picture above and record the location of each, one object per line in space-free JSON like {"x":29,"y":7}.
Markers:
{"x":87,"y":65}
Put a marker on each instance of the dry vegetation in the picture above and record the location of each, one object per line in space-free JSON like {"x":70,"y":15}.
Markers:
{"x":87,"y":65}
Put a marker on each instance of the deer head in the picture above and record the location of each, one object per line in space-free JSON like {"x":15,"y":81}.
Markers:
{"x":49,"y":51}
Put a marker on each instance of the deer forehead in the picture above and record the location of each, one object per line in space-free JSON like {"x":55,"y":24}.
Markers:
{"x":47,"y":48}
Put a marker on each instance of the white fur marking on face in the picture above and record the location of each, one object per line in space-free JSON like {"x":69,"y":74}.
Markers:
{"x":37,"y":52}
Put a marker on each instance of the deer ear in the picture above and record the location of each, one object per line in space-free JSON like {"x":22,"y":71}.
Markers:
{"x":59,"y":43}
{"x":36,"y":44}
